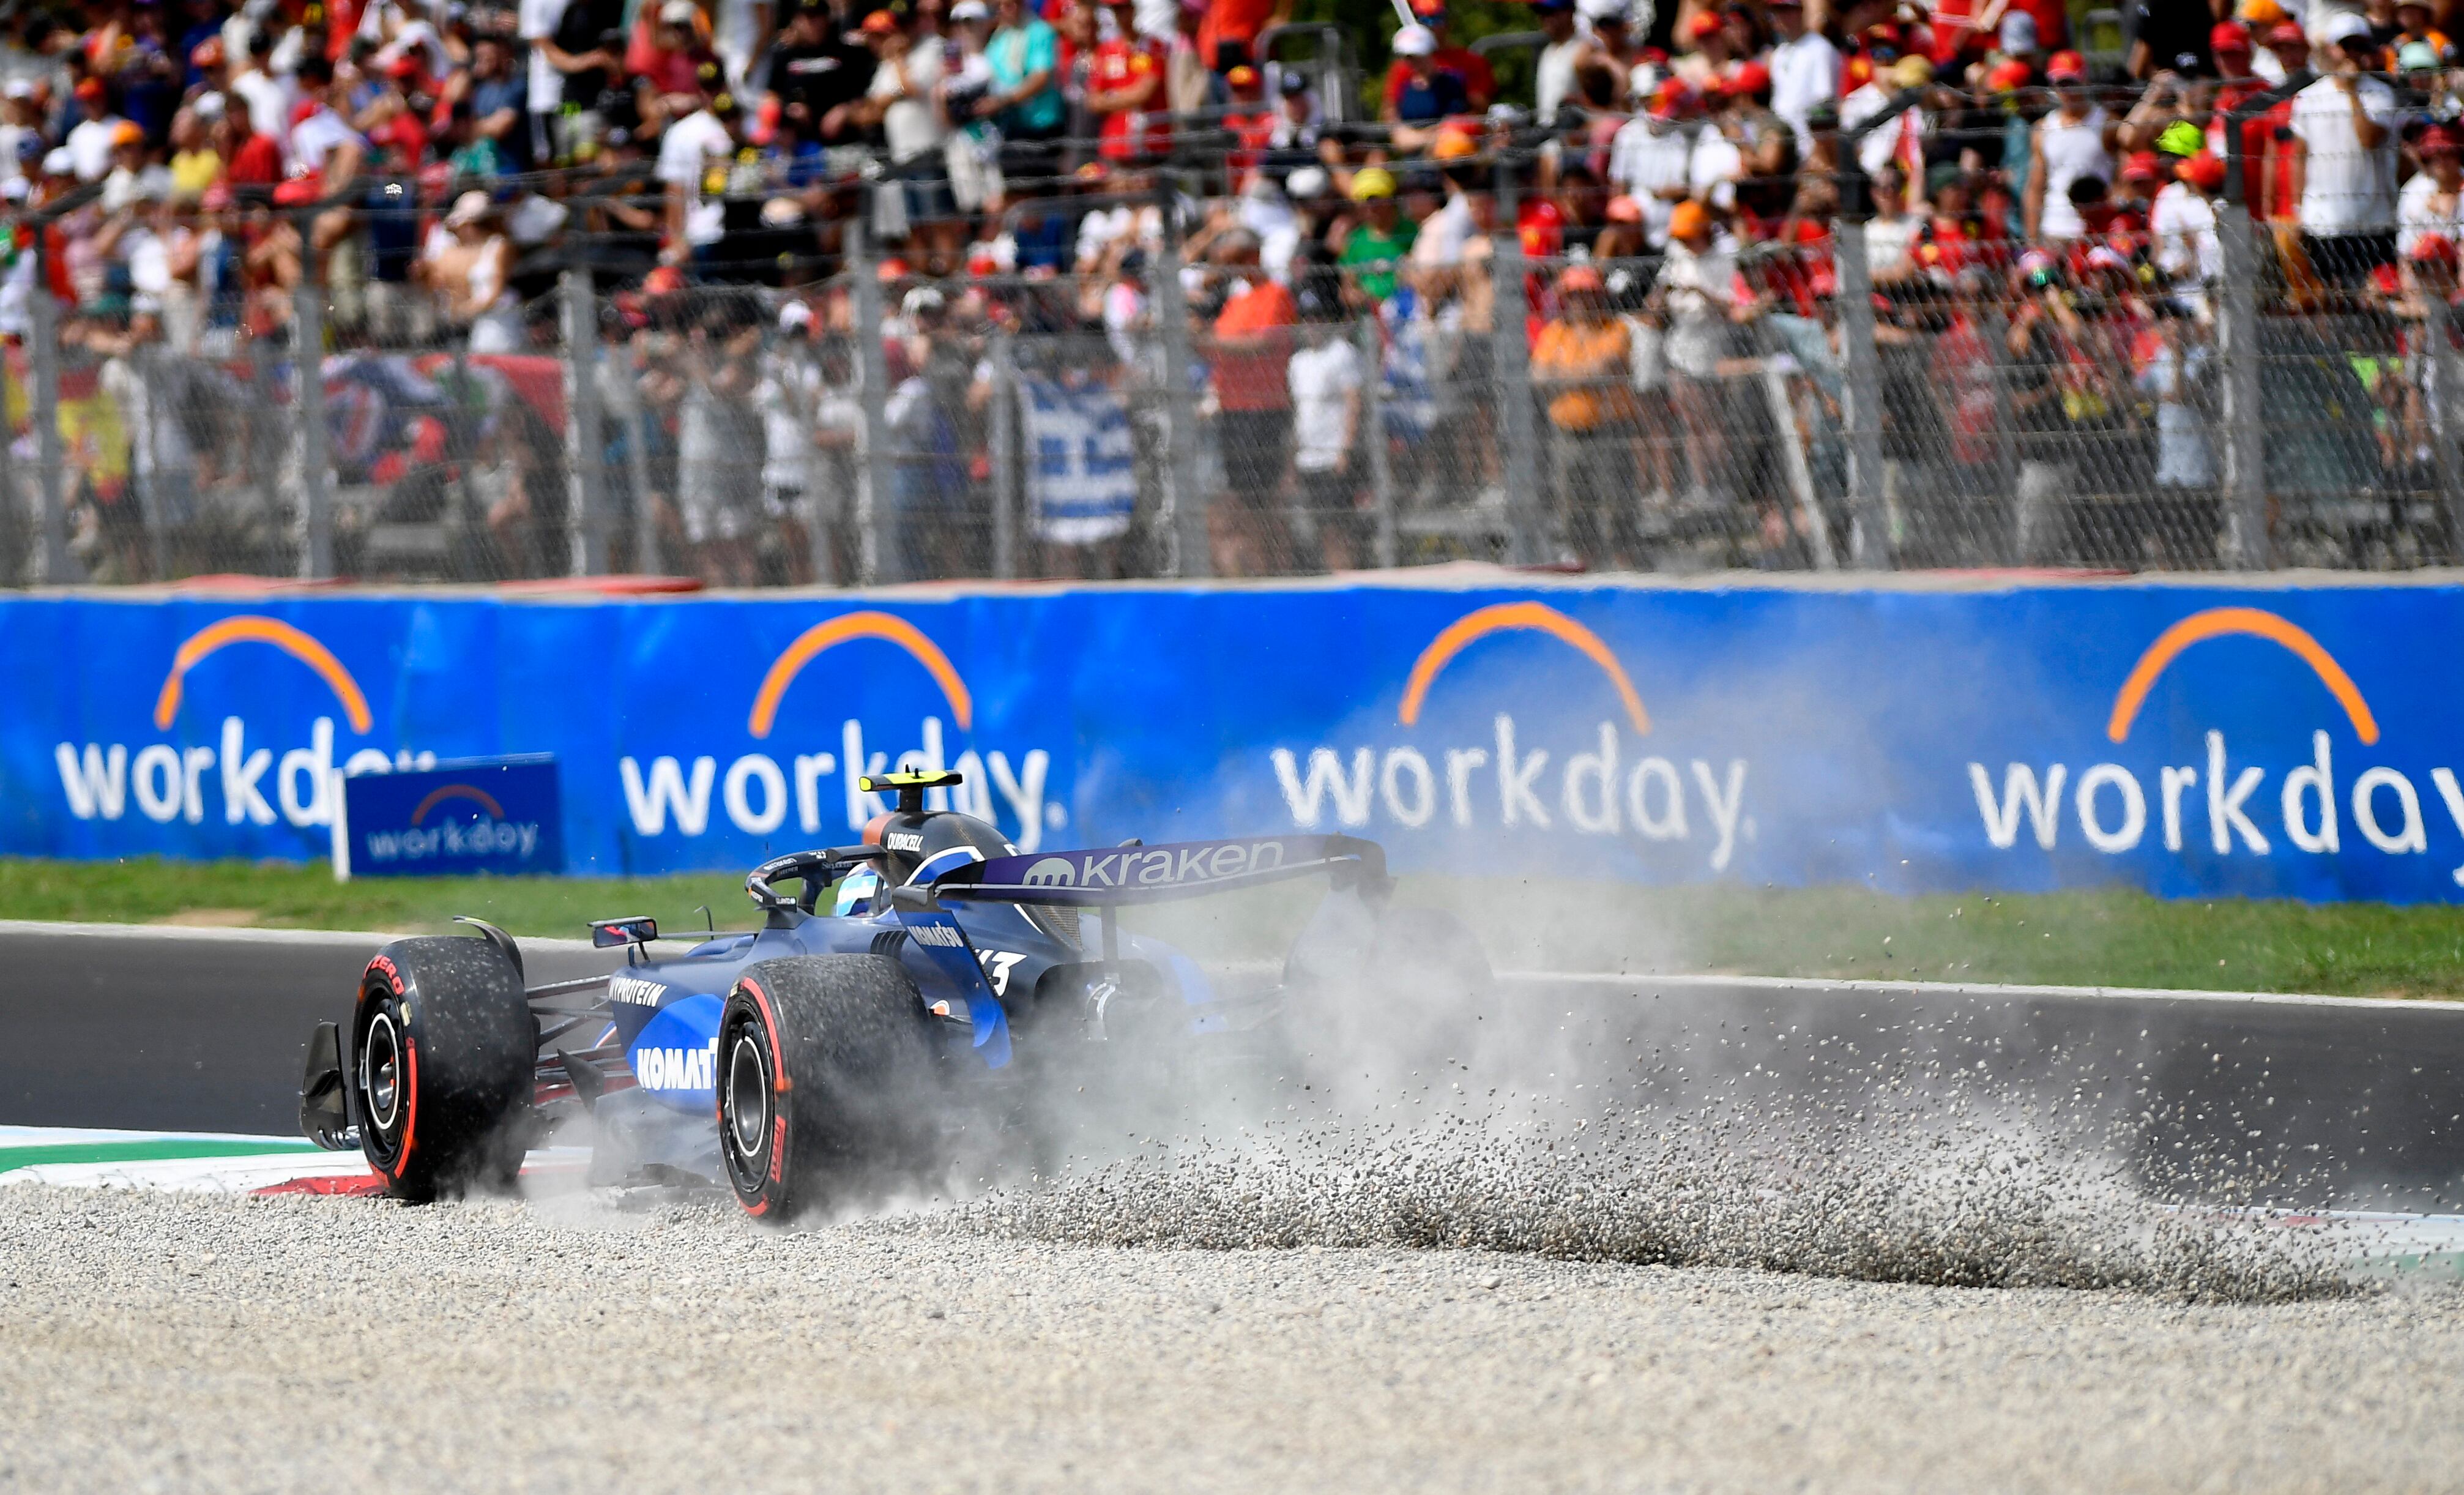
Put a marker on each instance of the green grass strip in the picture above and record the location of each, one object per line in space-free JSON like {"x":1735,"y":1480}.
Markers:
{"x":148,"y":1150}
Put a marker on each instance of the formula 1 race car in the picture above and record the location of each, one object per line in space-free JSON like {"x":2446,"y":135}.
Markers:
{"x":825,"y":1058}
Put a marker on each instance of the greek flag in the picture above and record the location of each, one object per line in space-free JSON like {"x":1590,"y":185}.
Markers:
{"x":1080,"y":476}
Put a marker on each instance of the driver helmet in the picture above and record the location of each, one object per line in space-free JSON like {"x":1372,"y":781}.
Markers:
{"x":856,"y":891}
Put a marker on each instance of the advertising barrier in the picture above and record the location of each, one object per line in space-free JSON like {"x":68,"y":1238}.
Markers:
{"x":493,"y":816}
{"x":2291,"y":740}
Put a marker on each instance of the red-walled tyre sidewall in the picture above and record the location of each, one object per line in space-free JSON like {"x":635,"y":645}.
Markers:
{"x":445,"y":1019}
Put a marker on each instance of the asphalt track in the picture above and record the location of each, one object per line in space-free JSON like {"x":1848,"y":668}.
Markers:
{"x":2352,"y":1102}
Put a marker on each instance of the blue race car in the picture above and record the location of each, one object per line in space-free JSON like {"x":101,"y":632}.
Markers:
{"x":829,"y":1056}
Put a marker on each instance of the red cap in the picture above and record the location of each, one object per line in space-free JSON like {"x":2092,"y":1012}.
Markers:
{"x":91,"y":88}
{"x":2436,"y":140}
{"x":299,"y":191}
{"x":2141,"y":166}
{"x":2205,"y":171}
{"x":2288,"y":34}
{"x":2009,"y":75}
{"x":880,"y":23}
{"x":2230,"y":37}
{"x":1705,"y":23}
{"x":2066,"y":67}
{"x":1749,"y":81}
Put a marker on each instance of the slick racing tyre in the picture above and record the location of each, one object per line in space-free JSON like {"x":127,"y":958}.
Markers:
{"x":825,"y":1080}
{"x":445,"y":1053}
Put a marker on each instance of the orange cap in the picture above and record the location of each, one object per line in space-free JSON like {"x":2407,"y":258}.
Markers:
{"x":1689,"y":220}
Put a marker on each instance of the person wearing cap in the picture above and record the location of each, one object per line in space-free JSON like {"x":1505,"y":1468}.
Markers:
{"x":1697,"y":292}
{"x":1479,"y":78}
{"x":1429,"y":97}
{"x":2343,"y":130}
{"x":2432,"y":202}
{"x":1805,"y":70}
{"x":1579,"y":367}
{"x":21,"y":121}
{"x":2182,"y":224}
{"x":693,"y":153}
{"x":1376,"y":243}
{"x":2412,"y":27}
{"x":1651,"y":159}
{"x":2074,"y":143}
{"x":91,"y":141}
{"x":1324,"y":380}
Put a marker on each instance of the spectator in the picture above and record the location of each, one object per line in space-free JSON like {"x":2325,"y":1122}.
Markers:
{"x":1229,"y":35}
{"x":1250,"y":351}
{"x":1377,"y":244}
{"x":2074,"y":143}
{"x":2168,"y":36}
{"x":1554,"y":71}
{"x":2182,"y":225}
{"x":1804,"y":70}
{"x":1026,"y":98}
{"x":1699,"y":293}
{"x":1469,"y":67}
{"x":818,"y":75}
{"x":91,"y":140}
{"x":1652,"y":159}
{"x":900,"y":104}
{"x":2343,"y":130}
{"x":468,"y":262}
{"x":1429,"y":95}
{"x":702,"y":134}
{"x":1126,"y":91}
{"x":2431,"y":204}
{"x":1324,"y":380}
{"x":1580,"y":365}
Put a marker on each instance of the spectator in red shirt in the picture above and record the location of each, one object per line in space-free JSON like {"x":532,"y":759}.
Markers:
{"x":250,"y":159}
{"x":1240,"y":22}
{"x":1251,"y":351}
{"x":1125,"y":91}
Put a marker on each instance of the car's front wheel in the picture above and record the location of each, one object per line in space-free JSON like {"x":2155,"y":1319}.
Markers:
{"x":445,"y":1053}
{"x":827,"y":1093}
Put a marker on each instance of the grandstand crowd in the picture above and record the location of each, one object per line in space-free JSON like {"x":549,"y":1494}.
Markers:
{"x":1674,"y":174}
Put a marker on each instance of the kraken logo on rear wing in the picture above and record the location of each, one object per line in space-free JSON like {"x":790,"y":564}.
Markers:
{"x":1153,"y":875}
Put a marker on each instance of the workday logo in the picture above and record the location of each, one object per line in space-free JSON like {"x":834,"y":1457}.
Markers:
{"x":782,"y":776}
{"x":1600,"y":785}
{"x":470,"y":824}
{"x":2218,"y":801}
{"x":172,"y":780}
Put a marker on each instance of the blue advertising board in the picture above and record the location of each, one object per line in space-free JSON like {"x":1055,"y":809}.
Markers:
{"x":490,"y":816}
{"x":2290,"y":739}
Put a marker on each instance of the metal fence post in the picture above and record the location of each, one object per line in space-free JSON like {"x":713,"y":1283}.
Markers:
{"x":1191,"y":553}
{"x":1373,"y":435}
{"x":2447,"y":443}
{"x":1004,"y":453}
{"x":1869,"y":532}
{"x":308,"y":363}
{"x":2245,"y":543}
{"x":1519,"y":460}
{"x":585,"y":434}
{"x":876,"y":506}
{"x":51,"y":460}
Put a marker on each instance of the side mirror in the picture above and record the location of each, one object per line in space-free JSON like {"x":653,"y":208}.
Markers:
{"x":609,"y":933}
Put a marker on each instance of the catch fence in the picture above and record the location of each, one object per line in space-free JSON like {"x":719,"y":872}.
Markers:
{"x":1874,"y":398}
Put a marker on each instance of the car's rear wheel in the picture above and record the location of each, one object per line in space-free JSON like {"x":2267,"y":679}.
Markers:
{"x":445,"y":1053}
{"x":827,"y":1084}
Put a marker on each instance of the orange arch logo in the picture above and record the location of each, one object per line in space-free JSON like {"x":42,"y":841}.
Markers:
{"x":2247,"y":621}
{"x":823,"y":637}
{"x":457,"y":791}
{"x":1512,"y":617}
{"x":249,"y":628}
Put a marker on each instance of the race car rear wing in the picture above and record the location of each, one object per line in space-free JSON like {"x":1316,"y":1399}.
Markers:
{"x":1135,"y":873}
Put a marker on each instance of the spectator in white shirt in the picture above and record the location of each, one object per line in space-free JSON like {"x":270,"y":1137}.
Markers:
{"x":2182,"y":224}
{"x":2344,"y":132}
{"x":2431,"y":204}
{"x":1652,"y":157}
{"x":687,"y":150}
{"x":1804,"y":69}
{"x":90,"y":139}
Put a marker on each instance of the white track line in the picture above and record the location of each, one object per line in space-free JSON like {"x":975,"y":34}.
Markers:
{"x":1981,"y":989}
{"x":1671,"y":980}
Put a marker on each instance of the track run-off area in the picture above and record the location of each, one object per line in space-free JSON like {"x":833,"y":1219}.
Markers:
{"x":167,"y":1322}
